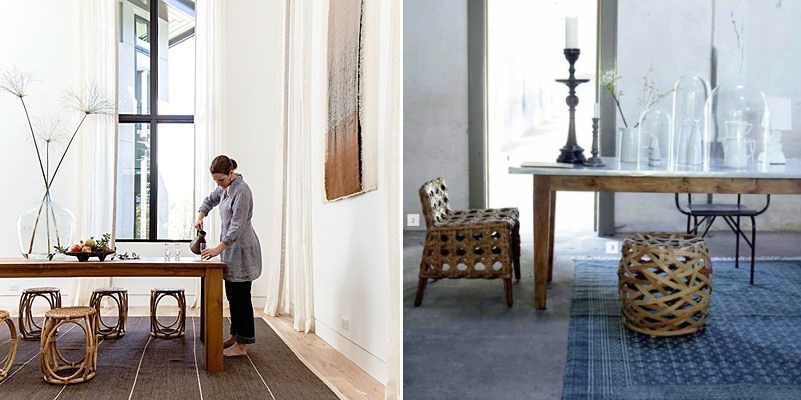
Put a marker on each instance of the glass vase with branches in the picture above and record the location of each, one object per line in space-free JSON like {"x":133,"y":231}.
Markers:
{"x":49,"y":134}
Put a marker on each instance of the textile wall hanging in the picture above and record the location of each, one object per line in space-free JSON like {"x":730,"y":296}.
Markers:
{"x":349,"y":149}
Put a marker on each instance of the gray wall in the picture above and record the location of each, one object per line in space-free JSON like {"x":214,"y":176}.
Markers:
{"x":435,"y":106}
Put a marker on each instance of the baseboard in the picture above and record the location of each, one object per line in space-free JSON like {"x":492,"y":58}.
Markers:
{"x":365,"y":360}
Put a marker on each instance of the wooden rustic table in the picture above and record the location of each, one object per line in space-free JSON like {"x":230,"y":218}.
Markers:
{"x":623,"y":177}
{"x":209,"y":271}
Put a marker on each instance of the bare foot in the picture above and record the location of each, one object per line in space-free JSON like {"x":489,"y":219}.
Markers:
{"x":229,"y":342}
{"x":237,"y":350}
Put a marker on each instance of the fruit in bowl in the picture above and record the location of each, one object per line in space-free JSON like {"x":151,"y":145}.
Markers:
{"x":90,"y":248}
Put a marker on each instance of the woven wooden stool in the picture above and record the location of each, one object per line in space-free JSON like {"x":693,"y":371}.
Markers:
{"x":120,"y":296}
{"x":55,"y":367}
{"x":175,"y":329}
{"x":8,"y":360}
{"x":28,"y":328}
{"x":665,"y":283}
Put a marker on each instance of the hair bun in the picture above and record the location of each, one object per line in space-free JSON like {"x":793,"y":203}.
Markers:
{"x":233,"y":163}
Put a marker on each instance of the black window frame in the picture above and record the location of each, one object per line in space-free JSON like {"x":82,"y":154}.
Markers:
{"x":153,"y":118}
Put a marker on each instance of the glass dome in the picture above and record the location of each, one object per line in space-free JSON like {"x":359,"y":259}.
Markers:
{"x":688,"y":122}
{"x":654,"y":137}
{"x":738,"y":122}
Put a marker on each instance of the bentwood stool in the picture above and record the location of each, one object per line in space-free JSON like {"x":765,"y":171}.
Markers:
{"x":464,"y":245}
{"x":56,"y":368}
{"x":27,"y":325}
{"x":120,"y":296}
{"x":8,"y":360}
{"x":175,"y":329}
{"x":665,"y":283}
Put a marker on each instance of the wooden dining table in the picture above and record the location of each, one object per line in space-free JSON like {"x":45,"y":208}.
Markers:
{"x":209,"y":271}
{"x":628,"y":177}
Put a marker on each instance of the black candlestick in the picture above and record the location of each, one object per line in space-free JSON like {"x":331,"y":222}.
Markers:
{"x":572,"y":153}
{"x":595,"y":161}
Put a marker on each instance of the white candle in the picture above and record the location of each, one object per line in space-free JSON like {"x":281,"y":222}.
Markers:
{"x":571,"y":32}
{"x":597,"y":110}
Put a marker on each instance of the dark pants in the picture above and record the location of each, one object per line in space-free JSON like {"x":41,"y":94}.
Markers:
{"x":238,"y":294}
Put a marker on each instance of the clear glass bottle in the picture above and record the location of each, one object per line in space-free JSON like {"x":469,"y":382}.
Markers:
{"x":738,"y":127}
{"x":684,"y":146}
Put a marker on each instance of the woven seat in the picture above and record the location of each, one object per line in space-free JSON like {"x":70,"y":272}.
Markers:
{"x":120,"y":296}
{"x":175,"y":329}
{"x":8,"y":360}
{"x":466,"y":244}
{"x":665,"y":283}
{"x":28,"y":327}
{"x":55,"y":367}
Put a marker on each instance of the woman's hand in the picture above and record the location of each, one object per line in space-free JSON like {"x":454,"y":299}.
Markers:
{"x":213,"y":251}
{"x":199,"y":221}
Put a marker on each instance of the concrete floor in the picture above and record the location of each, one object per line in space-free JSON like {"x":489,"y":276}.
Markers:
{"x":549,"y":328}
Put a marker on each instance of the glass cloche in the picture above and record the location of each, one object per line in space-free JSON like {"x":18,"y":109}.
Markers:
{"x":738,"y":122}
{"x":688,"y":123}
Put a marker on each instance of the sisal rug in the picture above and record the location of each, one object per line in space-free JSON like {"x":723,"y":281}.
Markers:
{"x":138,"y":367}
{"x":750,"y":348}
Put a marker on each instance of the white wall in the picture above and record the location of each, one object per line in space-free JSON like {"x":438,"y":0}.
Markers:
{"x":35,"y":33}
{"x":349,"y":236}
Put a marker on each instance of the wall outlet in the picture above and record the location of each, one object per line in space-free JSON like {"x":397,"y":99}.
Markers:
{"x":612,"y":247}
{"x":13,"y":287}
{"x":345,"y":324}
{"x":412,"y":219}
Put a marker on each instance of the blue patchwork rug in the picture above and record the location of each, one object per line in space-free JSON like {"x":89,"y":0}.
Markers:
{"x":750,"y":348}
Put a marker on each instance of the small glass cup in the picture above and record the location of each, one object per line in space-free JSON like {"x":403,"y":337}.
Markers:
{"x":176,"y":251}
{"x":166,"y":252}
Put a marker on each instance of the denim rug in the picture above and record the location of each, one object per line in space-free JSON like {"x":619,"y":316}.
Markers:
{"x":749,"y":349}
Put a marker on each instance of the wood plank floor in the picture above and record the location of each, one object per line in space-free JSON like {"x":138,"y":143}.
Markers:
{"x":344,"y":377}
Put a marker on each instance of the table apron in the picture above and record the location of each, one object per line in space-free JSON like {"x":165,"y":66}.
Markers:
{"x":651,"y":184}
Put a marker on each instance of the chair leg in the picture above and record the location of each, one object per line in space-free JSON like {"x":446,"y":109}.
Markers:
{"x":421,"y":288}
{"x":507,"y":288}
{"x":737,"y":244}
{"x":753,"y":246}
{"x":688,"y":225}
{"x":516,"y":248}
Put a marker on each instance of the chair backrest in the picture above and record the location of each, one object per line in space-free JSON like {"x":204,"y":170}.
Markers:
{"x":434,"y":199}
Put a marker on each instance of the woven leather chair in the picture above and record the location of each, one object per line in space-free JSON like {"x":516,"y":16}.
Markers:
{"x":467,"y":244}
{"x":731,"y":213}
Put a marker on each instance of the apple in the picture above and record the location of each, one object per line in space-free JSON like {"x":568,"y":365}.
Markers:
{"x":75,"y":248}
{"x":91,"y":242}
{"x":106,"y":249}
{"x":86,"y":249}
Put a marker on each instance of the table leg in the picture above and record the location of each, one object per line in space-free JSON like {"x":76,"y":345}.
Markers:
{"x":202,"y":309}
{"x":213,"y":310}
{"x":542,"y":218}
{"x":551,"y":224}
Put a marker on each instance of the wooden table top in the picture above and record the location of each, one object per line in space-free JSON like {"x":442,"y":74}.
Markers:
{"x":188,"y":266}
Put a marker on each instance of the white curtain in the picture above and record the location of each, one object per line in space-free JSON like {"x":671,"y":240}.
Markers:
{"x":391,"y":66}
{"x":291,"y":285}
{"x":208,"y":105}
{"x":97,"y":142}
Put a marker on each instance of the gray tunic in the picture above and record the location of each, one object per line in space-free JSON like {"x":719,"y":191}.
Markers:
{"x":243,"y":255}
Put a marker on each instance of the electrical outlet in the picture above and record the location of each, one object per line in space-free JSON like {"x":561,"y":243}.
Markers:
{"x":13,"y":287}
{"x":412,"y":219}
{"x":345,"y":324}
{"x":612,"y":247}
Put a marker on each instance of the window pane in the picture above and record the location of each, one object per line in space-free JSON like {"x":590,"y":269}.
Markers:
{"x":133,"y":177}
{"x":176,"y":161}
{"x":177,"y":57}
{"x":134,"y":57}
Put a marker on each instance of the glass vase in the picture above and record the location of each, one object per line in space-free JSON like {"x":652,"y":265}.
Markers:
{"x":43,"y":227}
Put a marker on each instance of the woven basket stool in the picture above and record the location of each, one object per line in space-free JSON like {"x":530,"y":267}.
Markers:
{"x":120,"y":296}
{"x":665,"y":283}
{"x":28,"y":328}
{"x":8,"y":360}
{"x":175,"y":329}
{"x":55,"y":367}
